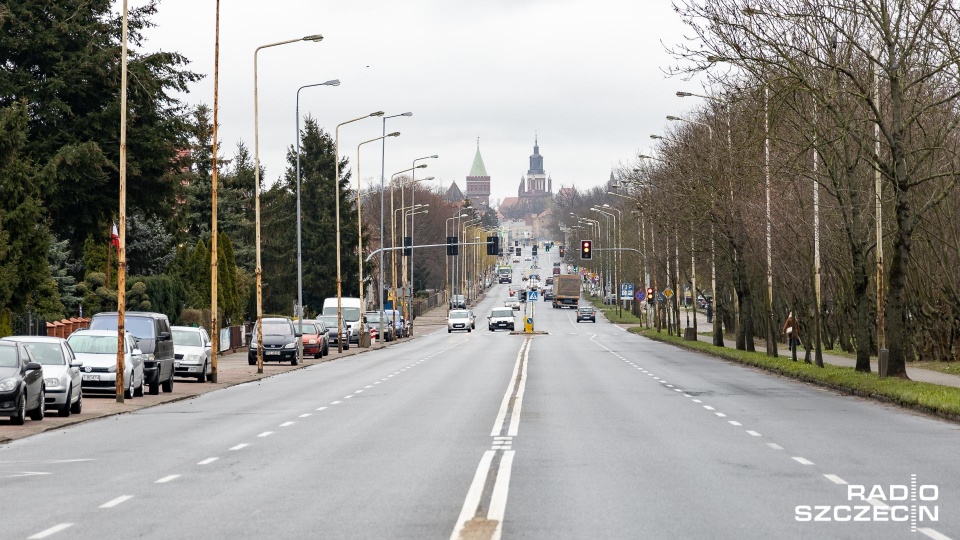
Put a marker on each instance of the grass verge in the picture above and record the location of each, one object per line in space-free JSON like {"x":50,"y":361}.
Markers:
{"x":943,"y":401}
{"x":610,"y":312}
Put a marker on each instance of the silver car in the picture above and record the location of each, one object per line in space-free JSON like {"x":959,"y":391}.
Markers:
{"x":97,"y":349}
{"x":458,"y":319}
{"x":191,"y":353}
{"x":61,"y":372}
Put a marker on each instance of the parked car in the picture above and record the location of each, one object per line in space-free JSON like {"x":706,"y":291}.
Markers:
{"x":351,"y":309}
{"x":61,"y":372}
{"x":21,"y":384}
{"x":500,"y":318}
{"x":373,"y":326}
{"x":324,"y":332}
{"x":97,"y":349}
{"x":154,"y":339}
{"x":586,"y":313}
{"x":331,"y":323}
{"x":396,"y":317}
{"x":192,"y":353}
{"x":311,"y":338}
{"x":281,"y":342}
{"x":458,"y":319}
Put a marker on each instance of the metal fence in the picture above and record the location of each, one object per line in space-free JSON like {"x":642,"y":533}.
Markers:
{"x":422,"y":305}
{"x":28,"y":324}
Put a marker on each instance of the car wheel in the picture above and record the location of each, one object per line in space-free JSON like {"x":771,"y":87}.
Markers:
{"x":346,"y":346}
{"x":138,"y":391}
{"x":64,"y":410}
{"x":203,"y":373}
{"x":294,"y":361}
{"x":38,"y":413}
{"x":128,"y":393}
{"x":155,"y":386}
{"x":77,"y":407}
{"x":251,"y":361}
{"x":449,"y":330}
{"x":21,"y":415}
{"x":168,"y":384}
{"x":469,"y":330}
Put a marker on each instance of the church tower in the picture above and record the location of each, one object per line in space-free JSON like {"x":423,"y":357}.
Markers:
{"x":478,"y":181}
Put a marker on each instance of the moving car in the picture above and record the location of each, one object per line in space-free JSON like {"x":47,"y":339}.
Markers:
{"x":154,"y":339}
{"x":21,"y":384}
{"x":547,"y":294}
{"x":586,"y":313}
{"x":500,"y":318}
{"x":513,"y":304}
{"x":281,"y":342}
{"x":330,"y":321}
{"x":97,"y":349}
{"x":458,"y":319}
{"x":192,"y":353}
{"x":312,"y":338}
{"x":373,"y":326}
{"x":458,"y":301}
{"x":61,"y":372}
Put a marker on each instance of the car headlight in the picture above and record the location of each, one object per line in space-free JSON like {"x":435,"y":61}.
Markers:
{"x":113,"y":368}
{"x":290,"y":345}
{"x":150,"y":357}
{"x":7,"y":385}
{"x":53,"y":382}
{"x":312,"y":341}
{"x":253,"y":344}
{"x":193,"y":358}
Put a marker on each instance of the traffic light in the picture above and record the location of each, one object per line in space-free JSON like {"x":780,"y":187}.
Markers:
{"x":407,"y":246}
{"x":586,"y":249}
{"x":452,"y":246}
{"x":534,"y":250}
{"x":493,"y":245}
{"x":561,"y":252}
{"x":649,"y":295}
{"x":518,"y":251}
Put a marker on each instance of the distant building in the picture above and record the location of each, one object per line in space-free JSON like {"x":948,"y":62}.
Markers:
{"x":534,"y":193}
{"x":478,"y":182}
{"x":453,"y":193}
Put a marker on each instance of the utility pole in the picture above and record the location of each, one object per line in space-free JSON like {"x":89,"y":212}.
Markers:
{"x":214,"y":329}
{"x":122,"y":256}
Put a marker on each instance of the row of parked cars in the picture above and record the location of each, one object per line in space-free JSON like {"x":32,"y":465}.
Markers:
{"x":40,"y":373}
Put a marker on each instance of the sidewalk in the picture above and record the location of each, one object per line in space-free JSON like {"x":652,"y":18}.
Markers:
{"x":916,"y":374}
{"x":232,"y":369}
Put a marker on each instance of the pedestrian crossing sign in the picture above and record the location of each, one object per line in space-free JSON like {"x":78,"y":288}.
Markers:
{"x":532,"y":295}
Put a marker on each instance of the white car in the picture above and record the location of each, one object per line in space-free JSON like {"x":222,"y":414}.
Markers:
{"x":61,"y":372}
{"x":500,"y":318}
{"x":97,"y":349}
{"x":458,"y":319}
{"x":513,"y":303}
{"x":191,"y":353}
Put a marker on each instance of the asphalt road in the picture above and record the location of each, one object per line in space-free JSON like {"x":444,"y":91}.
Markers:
{"x":588,"y":432}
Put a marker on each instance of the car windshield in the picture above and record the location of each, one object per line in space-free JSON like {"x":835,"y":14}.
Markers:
{"x":47,"y":354}
{"x":85,"y":343}
{"x":586,"y":309}
{"x":373,"y":317}
{"x":502,"y":313}
{"x":142,"y":327}
{"x":186,"y":337}
{"x":329,"y":320}
{"x":308,"y":328}
{"x":8,"y":356}
{"x":275,"y":329}
{"x":458,"y":315}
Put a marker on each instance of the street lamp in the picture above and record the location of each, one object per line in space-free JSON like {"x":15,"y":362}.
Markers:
{"x":383,"y":154}
{"x":336,"y":189}
{"x":393,"y":230}
{"x":619,"y":257}
{"x":364,"y":337}
{"x":446,"y":231}
{"x":413,"y":199}
{"x":316,"y":38}
{"x":333,"y":82}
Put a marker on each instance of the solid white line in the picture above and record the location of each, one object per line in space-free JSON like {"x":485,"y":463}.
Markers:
{"x":933,"y":534}
{"x":498,"y":500}
{"x":734,"y":423}
{"x":753,"y":433}
{"x":52,"y":530}
{"x":239,"y":446}
{"x":835,"y":479}
{"x":775,"y":446}
{"x":265,"y":434}
{"x":502,"y":413}
{"x":802,"y":461}
{"x":118,"y":500}
{"x":208,"y":461}
{"x":518,"y":402}
{"x":473,"y":494}
{"x":166,"y":479}
{"x":304,"y":415}
{"x":285,"y":424}
{"x":321,"y":408}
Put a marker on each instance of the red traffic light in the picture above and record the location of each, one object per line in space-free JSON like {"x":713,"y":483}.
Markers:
{"x":586,"y":249}
{"x":649,"y":294}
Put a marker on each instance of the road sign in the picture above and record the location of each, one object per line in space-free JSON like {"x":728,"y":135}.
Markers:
{"x":661,"y":298}
{"x":640,"y":296}
{"x":668,"y":292}
{"x":626,"y":291}
{"x":532,"y":295}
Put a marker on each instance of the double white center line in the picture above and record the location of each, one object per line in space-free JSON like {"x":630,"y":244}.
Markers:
{"x":496,"y":464}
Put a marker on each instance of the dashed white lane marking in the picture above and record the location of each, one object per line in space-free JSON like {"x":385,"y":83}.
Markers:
{"x":669,"y":385}
{"x":286,"y":424}
{"x":51,"y":531}
{"x":358,"y":391}
{"x":168,"y":478}
{"x":677,"y":390}
{"x":721,"y":415}
{"x":321,"y":408}
{"x":933,"y":534}
{"x":707,"y":407}
{"x":239,"y":446}
{"x":207,"y":461}
{"x":369,"y":386}
{"x":734,"y":423}
{"x":348,"y":397}
{"x":775,"y":446}
{"x":802,"y":461}
{"x":265,"y":434}
{"x":697,"y":401}
{"x":835,"y":479}
{"x":304,"y":415}
{"x":753,"y":433}
{"x":687,"y":395}
{"x":336,"y":402}
{"x":115,"y":502}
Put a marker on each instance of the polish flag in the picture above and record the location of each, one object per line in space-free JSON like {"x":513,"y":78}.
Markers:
{"x":115,"y":237}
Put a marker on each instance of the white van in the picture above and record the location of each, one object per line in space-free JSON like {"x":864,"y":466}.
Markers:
{"x":352,"y":308}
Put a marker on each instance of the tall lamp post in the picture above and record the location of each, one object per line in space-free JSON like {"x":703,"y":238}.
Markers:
{"x":364,"y":337}
{"x":333,"y":82}
{"x":336,"y":189}
{"x":383,"y":155}
{"x":256,"y":172}
{"x":463,"y":265}
{"x":446,"y":230}
{"x":393,"y":231}
{"x":406,"y":272}
{"x":413,"y":200}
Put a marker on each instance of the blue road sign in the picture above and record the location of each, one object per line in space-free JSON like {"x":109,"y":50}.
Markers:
{"x":661,"y":298}
{"x":532,"y":295}
{"x":640,"y":296}
{"x":626,"y":291}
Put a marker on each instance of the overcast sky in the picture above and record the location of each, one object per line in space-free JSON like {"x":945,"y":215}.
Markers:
{"x":584,"y":75}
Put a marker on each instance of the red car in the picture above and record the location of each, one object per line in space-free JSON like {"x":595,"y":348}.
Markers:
{"x":314,"y":341}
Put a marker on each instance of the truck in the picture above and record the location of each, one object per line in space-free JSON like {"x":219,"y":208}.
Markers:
{"x":566,"y":291}
{"x":505,"y":274}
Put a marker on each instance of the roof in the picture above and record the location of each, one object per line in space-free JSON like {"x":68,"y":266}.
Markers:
{"x":478,"y":169}
{"x":454,"y":193}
